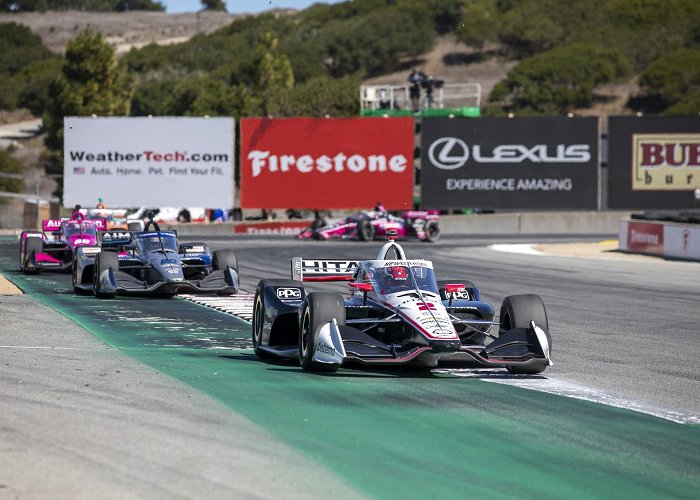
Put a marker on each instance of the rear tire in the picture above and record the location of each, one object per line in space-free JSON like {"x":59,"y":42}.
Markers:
{"x":365,"y":230}
{"x":135,"y":226}
{"x":516,"y":312}
{"x":319,"y":309}
{"x":432,"y":231}
{"x":104,"y":261}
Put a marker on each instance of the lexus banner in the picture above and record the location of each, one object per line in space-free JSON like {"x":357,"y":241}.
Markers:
{"x":326,"y":163}
{"x":515,"y":163}
{"x":653,"y":162}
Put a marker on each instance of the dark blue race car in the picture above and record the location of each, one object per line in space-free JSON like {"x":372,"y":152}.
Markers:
{"x":152,"y":262}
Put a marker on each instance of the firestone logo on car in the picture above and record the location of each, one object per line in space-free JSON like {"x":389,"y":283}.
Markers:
{"x":450,"y":153}
{"x":341,"y":162}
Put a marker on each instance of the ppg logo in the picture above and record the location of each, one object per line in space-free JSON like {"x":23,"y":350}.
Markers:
{"x":289,"y":293}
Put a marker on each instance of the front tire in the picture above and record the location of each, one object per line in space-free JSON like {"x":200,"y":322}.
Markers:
{"x":103,"y":262}
{"x":221,"y":259}
{"x":319,"y":309}
{"x":365,"y":230}
{"x":516,"y":312}
{"x":431,"y":231}
{"x":31,"y":245}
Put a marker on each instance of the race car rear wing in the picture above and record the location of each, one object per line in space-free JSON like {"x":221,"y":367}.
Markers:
{"x":323,"y":270}
{"x":120,"y":237}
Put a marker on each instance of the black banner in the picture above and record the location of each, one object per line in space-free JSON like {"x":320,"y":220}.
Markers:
{"x":653,"y":162}
{"x":515,"y":163}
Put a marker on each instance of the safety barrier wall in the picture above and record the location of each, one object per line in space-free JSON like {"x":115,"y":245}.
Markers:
{"x":665,"y":239}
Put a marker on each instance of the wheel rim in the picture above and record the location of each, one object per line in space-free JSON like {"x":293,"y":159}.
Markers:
{"x":305,"y":333}
{"x":257,"y":335}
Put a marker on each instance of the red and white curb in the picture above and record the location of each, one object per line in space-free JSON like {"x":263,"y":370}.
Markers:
{"x":239,"y":304}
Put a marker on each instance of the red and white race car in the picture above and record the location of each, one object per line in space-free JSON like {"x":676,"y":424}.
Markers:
{"x":53,"y":247}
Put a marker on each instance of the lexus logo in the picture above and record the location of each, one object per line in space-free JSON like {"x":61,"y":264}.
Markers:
{"x":448,"y":153}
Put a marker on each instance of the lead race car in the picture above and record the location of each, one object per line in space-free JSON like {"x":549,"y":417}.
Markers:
{"x":152,"y":262}
{"x":374,"y":224}
{"x":53,"y":247}
{"x":396,"y":314}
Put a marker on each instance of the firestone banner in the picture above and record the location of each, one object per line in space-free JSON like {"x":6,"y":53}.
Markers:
{"x":326,"y":163}
{"x":134,"y":162}
{"x":517,"y":163}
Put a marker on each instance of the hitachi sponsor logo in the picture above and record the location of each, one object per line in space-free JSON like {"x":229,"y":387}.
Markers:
{"x":645,"y":238}
{"x":339,"y":163}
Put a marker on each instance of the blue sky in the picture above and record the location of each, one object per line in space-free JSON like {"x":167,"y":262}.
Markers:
{"x":240,"y":6}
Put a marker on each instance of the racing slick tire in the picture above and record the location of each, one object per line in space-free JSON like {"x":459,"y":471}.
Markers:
{"x":31,"y":245}
{"x":74,"y":277}
{"x":516,"y":312}
{"x":319,"y":309}
{"x":103,"y":261}
{"x":365,"y":230}
{"x":221,"y":259}
{"x":259,"y":313}
{"x":135,"y":226}
{"x":432,"y":231}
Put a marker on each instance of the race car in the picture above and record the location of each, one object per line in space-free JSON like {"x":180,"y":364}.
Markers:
{"x":373,"y":224}
{"x":54,"y":246}
{"x":396,"y":314}
{"x":152,"y":262}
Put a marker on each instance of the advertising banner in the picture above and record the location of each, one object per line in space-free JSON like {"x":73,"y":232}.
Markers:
{"x":133,"y":162}
{"x":645,"y":237}
{"x":517,"y":163}
{"x":653,"y":162}
{"x":327,"y":163}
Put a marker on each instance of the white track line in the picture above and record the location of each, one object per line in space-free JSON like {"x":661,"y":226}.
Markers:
{"x":524,"y":248}
{"x":241,"y":306}
{"x":571,"y":390}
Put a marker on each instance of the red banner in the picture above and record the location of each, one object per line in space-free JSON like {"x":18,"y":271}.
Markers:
{"x":287,"y":228}
{"x":327,"y":163}
{"x":645,"y":237}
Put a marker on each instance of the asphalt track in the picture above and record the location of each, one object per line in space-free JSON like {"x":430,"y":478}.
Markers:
{"x":628,"y":328}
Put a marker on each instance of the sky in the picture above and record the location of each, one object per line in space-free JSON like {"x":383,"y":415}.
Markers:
{"x":241,"y":6}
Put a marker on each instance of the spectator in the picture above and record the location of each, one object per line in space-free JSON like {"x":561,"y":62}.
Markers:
{"x":77,"y":214}
{"x":415,"y":78}
{"x":384,"y":101}
{"x":184,"y":215}
{"x":429,"y":85}
{"x":218,"y":215}
{"x":100,"y":205}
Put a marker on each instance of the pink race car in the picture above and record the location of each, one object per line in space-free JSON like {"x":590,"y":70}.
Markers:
{"x":53,"y":247}
{"x":368,"y":225}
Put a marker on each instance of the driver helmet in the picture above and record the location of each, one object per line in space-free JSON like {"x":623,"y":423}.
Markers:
{"x":396,"y":277}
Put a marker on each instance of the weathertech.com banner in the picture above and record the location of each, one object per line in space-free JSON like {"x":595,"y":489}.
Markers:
{"x":515,"y":163}
{"x":136,"y":162}
{"x":326,"y":163}
{"x":653,"y":162}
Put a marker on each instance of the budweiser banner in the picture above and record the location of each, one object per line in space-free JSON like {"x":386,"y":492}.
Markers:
{"x":139,"y":161}
{"x":653,"y":162}
{"x":326,"y":163}
{"x":526,"y":163}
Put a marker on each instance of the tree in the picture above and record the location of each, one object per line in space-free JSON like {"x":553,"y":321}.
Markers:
{"x":10,"y":165}
{"x":91,"y":82}
{"x":556,"y":81}
{"x":214,"y":5}
{"x":671,"y":84}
